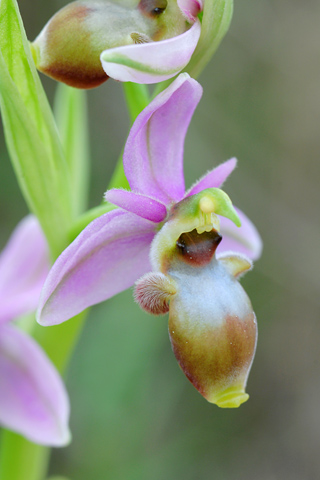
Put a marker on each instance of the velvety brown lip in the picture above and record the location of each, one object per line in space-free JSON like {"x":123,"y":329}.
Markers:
{"x":198,"y":249}
{"x":213,"y":358}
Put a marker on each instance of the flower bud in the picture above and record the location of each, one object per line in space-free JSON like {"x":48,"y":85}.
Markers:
{"x":69,"y":47}
{"x":212,"y":326}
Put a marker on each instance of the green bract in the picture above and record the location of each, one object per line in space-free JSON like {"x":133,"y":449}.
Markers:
{"x":30,"y":131}
{"x":216,"y":18}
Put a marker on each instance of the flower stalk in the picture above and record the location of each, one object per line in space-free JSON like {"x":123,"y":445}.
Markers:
{"x":70,"y":109}
{"x":21,"y":459}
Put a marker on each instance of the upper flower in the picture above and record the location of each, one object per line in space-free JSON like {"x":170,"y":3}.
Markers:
{"x":33,"y":400}
{"x":143,"y":42}
{"x":112,"y":252}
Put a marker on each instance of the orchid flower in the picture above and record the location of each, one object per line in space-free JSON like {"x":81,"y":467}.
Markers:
{"x":112,"y":252}
{"x":33,"y":400}
{"x":146,"y":42}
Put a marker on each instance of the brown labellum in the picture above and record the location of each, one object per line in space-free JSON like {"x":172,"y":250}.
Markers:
{"x":217,"y":360}
{"x":212,"y":326}
{"x":213,"y":333}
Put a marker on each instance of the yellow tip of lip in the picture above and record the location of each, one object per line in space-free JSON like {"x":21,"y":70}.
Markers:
{"x":207,"y":205}
{"x":232,"y":397}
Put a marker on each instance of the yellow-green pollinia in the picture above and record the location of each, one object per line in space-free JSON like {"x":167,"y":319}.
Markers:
{"x":212,"y":326}
{"x":68,"y":48}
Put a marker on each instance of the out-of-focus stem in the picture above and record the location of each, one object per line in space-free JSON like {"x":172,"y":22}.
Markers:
{"x":70,"y":109}
{"x":21,"y":459}
{"x":137,"y":98}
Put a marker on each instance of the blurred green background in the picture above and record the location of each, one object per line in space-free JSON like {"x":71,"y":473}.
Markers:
{"x":134,"y":415}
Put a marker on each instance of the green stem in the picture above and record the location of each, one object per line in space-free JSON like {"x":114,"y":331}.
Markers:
{"x":137,"y":97}
{"x":70,"y":108}
{"x":119,"y":179}
{"x":88,"y":217}
{"x":60,"y":340}
{"x":21,"y":459}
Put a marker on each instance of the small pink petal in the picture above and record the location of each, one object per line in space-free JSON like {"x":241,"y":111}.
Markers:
{"x":109,"y":255}
{"x":33,"y":399}
{"x":215,"y":178}
{"x":151,"y":62}
{"x":153,"y":155}
{"x":190,"y":9}
{"x":244,"y":239}
{"x":145,"y":207}
{"x":24,"y":265}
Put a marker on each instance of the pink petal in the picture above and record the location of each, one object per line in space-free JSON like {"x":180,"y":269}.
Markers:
{"x":145,"y":207}
{"x":109,"y":255}
{"x":153,"y":155}
{"x":151,"y":62}
{"x":190,"y":9}
{"x":244,"y":239}
{"x":215,"y":178}
{"x":33,"y":400}
{"x":24,"y":265}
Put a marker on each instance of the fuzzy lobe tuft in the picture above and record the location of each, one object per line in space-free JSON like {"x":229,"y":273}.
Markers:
{"x":153,"y":292}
